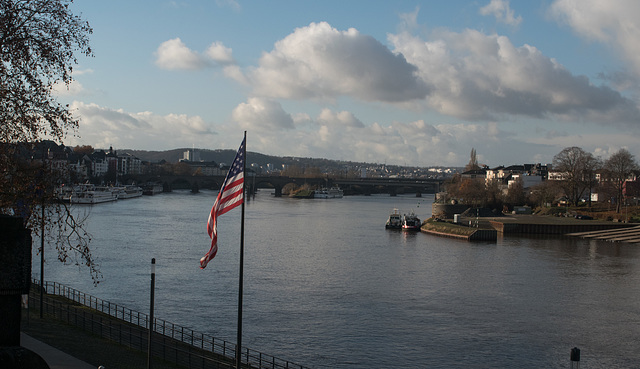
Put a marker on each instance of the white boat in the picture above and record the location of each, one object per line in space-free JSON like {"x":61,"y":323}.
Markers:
{"x":90,"y":194}
{"x":128,"y":192}
{"x":411,"y":222}
{"x":328,"y":193}
{"x":394,"y":221}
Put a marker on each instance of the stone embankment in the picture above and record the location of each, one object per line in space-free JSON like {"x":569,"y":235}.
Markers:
{"x":476,"y":235}
{"x":628,"y":235}
{"x":488,"y":227}
{"x":459,"y":231}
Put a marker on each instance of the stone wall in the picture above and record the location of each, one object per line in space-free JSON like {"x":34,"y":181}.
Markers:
{"x":447,"y":210}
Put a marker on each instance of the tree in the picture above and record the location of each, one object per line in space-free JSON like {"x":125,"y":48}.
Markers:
{"x":467,"y":191}
{"x":619,"y":168}
{"x":578,"y":169}
{"x":591,"y":166}
{"x":39,"y":40}
{"x":83,"y":150}
{"x":473,"y":162}
{"x":37,"y":43}
{"x":515,"y":194}
{"x":544,"y":193}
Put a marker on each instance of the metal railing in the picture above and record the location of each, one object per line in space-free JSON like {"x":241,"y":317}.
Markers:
{"x":171,"y":342}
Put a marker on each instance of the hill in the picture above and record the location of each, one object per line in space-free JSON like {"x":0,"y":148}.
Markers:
{"x":278,"y":162}
{"x":227,"y":156}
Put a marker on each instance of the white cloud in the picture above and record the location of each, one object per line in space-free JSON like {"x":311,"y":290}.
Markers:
{"x":342,"y":119}
{"x":321,"y":62}
{"x":485,"y":77}
{"x":341,"y":135}
{"x":468,"y":75}
{"x":220,"y":53}
{"x":175,"y":55}
{"x":501,"y":10}
{"x":235,"y":73}
{"x":613,"y":23}
{"x":409,"y":21}
{"x":262,"y":115}
{"x":333,"y":135}
{"x":75,"y":88}
{"x":103,"y":127}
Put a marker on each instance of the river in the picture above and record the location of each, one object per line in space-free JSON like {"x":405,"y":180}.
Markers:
{"x":326,"y":286}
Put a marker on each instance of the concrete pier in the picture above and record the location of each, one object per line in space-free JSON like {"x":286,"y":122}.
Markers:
{"x":531,"y":224}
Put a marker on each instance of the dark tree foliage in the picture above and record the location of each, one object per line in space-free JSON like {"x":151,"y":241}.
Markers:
{"x":39,"y":41}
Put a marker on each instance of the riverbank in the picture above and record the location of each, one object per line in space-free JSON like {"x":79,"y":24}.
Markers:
{"x":480,"y":227}
{"x":536,"y":224}
{"x":458,"y":231}
{"x":83,"y":345}
{"x":118,"y":327}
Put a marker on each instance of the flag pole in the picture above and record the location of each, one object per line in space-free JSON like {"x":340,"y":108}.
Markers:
{"x":241,"y":268}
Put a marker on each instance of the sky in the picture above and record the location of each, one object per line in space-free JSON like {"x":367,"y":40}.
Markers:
{"x":415,"y":83}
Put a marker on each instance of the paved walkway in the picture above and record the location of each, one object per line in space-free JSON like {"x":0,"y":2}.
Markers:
{"x":54,"y":357}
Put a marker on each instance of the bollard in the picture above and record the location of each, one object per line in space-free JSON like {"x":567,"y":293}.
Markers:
{"x":575,"y":357}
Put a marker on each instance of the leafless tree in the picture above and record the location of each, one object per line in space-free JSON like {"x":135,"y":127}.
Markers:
{"x":578,"y":170}
{"x":619,"y":167}
{"x":473,"y":161}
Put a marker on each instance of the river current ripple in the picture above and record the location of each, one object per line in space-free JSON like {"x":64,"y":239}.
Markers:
{"x":326,"y":286}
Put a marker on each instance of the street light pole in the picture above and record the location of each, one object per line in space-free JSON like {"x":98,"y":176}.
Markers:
{"x":42,"y":226}
{"x":42,"y":261}
{"x":151,"y":303}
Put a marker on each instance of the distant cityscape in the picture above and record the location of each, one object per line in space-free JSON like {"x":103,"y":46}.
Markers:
{"x":84,"y":163}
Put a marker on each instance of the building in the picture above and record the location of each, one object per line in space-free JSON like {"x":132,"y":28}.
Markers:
{"x":191,"y":155}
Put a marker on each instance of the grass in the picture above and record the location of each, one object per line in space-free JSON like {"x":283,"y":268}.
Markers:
{"x":597,"y":211}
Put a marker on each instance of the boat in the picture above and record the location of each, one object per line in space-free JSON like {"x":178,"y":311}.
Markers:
{"x":411,"y":222}
{"x":152,"y":189}
{"x":64,"y":193}
{"x":394,"y":221}
{"x":128,"y":192}
{"x":328,"y":193}
{"x":91,"y":194}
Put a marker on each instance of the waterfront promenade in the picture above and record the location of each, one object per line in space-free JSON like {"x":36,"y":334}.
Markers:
{"x":99,"y":332}
{"x":55,"y":358}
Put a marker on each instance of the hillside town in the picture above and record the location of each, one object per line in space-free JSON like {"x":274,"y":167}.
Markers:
{"x":84,"y":164}
{"x":575,"y":178}
{"x":535,"y":184}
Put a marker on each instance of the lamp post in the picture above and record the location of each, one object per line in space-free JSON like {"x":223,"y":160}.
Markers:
{"x":150,"y":323}
{"x":42,"y":261}
{"x":42,"y":226}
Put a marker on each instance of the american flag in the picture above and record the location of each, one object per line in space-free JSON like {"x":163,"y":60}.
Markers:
{"x":230,"y":196}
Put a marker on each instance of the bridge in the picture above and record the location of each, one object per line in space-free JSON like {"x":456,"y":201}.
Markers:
{"x":392,"y":186}
{"x":351,"y":186}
